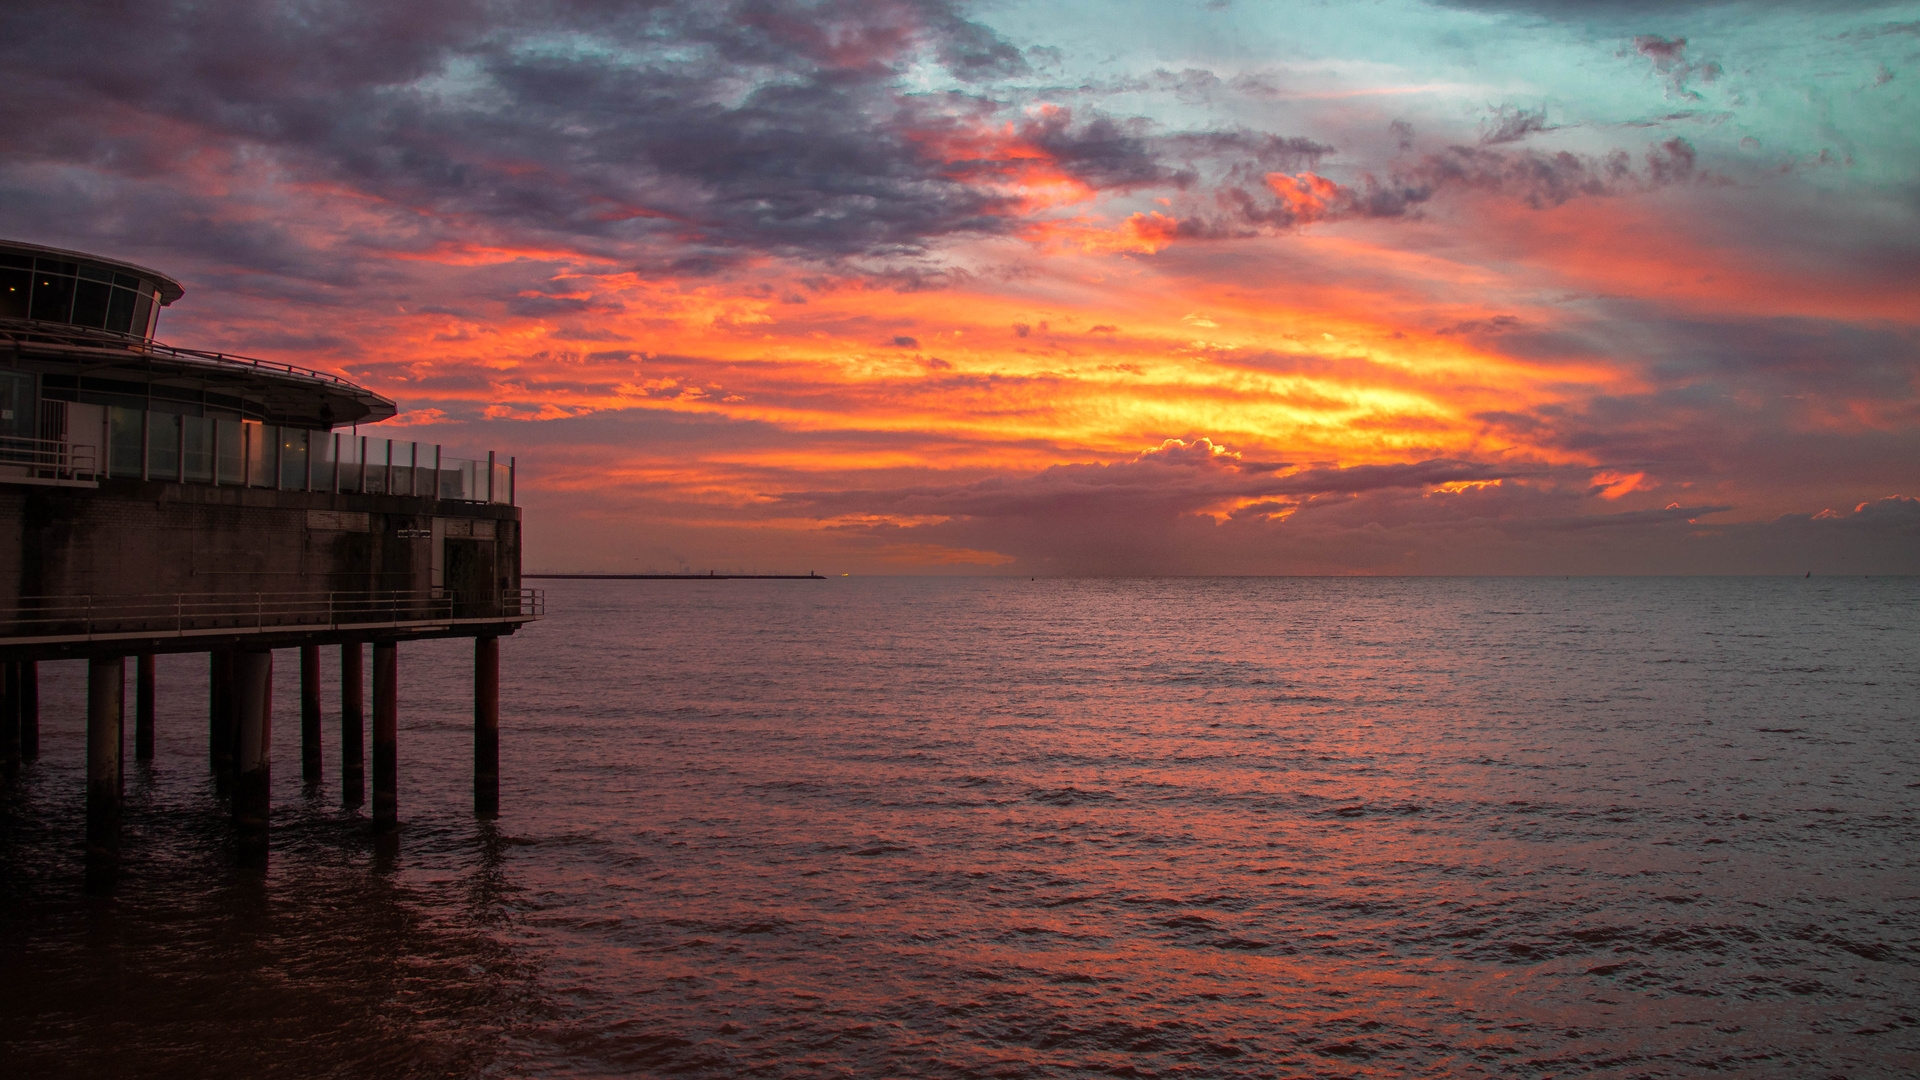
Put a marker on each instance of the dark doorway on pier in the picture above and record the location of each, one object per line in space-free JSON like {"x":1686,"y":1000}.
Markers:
{"x":469,"y":577}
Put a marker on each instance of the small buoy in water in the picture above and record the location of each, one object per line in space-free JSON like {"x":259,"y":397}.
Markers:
{"x":1809,"y":573}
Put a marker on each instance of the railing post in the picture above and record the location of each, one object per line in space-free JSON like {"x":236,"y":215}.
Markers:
{"x":336,"y":463}
{"x":489,"y":477}
{"x":362,"y":489}
{"x":413,"y":470}
{"x":436,"y":470}
{"x":386,"y":485}
{"x":510,"y":470}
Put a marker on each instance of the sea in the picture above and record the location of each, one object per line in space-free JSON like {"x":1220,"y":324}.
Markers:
{"x":1013,"y":828}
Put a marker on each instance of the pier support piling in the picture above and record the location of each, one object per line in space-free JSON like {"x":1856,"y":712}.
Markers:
{"x":353,"y":727}
{"x":143,"y":708}
{"x":29,"y":672}
{"x":486,"y":726}
{"x":106,"y":704}
{"x":253,"y":758}
{"x":220,"y":718}
{"x":29,"y":708}
{"x":386,"y":736}
{"x":9,"y":718}
{"x":310,"y":770}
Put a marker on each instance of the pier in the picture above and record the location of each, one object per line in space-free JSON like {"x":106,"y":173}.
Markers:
{"x":156,"y":499}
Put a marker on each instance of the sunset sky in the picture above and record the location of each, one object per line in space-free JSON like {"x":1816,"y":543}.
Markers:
{"x":1049,"y":287}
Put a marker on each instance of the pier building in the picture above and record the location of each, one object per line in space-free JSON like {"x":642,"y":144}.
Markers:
{"x":160,"y":499}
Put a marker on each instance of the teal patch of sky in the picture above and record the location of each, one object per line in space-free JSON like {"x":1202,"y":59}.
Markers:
{"x":1792,"y":82}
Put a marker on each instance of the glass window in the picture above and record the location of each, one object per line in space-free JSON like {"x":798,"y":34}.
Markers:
{"x":163,"y":445}
{"x":17,"y":403}
{"x":90,"y":303}
{"x":232,"y":460}
{"x":293,"y":458}
{"x":199,"y":448}
{"x":55,"y":266}
{"x":52,"y":297}
{"x":127,"y":281}
{"x":142,"y":315}
{"x":123,"y":441}
{"x":377,"y":462}
{"x":23,"y":262}
{"x":259,"y":438}
{"x":321,"y":447}
{"x":120,"y":311}
{"x":95,"y":273}
{"x":15,"y":285}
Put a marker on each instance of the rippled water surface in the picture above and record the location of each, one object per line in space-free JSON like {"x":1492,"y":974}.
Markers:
{"x":1001,"y":828}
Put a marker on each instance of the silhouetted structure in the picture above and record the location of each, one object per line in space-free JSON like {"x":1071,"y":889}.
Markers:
{"x":158,"y":499}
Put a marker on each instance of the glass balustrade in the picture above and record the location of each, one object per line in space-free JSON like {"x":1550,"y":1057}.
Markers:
{"x":193,"y":449}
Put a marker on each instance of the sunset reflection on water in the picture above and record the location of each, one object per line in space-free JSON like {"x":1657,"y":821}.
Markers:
{"x":1223,"y":827}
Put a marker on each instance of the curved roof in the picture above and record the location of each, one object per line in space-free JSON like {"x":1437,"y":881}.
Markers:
{"x":170,"y":290}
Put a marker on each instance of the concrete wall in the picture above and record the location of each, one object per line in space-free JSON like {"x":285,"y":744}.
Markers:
{"x":133,"y":537}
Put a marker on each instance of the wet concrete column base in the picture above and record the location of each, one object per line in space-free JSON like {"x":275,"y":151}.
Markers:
{"x":143,"y":708}
{"x":253,"y":752}
{"x":310,"y":760}
{"x":486,"y":726}
{"x":386,"y":735}
{"x":353,"y":726}
{"x":106,"y":724}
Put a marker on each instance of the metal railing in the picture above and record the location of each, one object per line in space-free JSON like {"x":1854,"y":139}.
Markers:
{"x":52,"y":458}
{"x":90,"y":337}
{"x":187,"y":614}
{"x":142,"y":444}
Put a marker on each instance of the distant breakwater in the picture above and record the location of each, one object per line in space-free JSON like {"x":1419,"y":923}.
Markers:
{"x":809,"y":576}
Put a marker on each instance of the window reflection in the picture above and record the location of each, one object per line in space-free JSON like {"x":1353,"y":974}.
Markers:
{"x":79,"y":294}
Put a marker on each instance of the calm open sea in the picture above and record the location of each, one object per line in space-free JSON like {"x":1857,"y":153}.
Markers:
{"x":1002,"y":828}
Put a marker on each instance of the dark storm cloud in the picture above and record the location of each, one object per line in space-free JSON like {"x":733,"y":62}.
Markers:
{"x":1511,"y":124}
{"x":1765,"y":374}
{"x":1669,"y":57}
{"x":1502,"y":528}
{"x":767,"y":125}
{"x":1177,"y":478}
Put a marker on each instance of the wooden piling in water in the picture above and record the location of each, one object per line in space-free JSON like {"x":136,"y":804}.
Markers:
{"x":106,"y":704}
{"x":310,"y":765}
{"x":386,"y":735}
{"x":143,"y":708}
{"x":486,"y":726}
{"x":253,"y":757}
{"x":353,"y":727}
